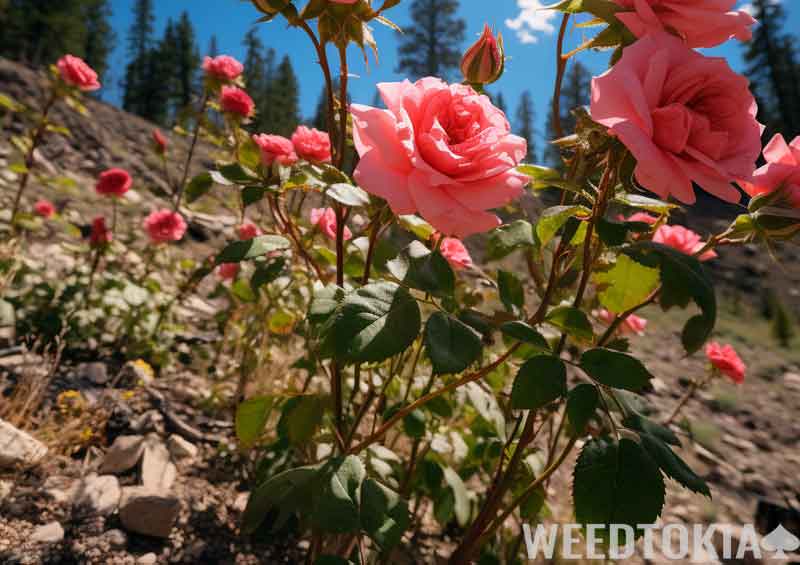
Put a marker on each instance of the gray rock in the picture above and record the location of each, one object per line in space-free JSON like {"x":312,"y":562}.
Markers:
{"x":98,"y":494}
{"x":181,"y":448}
{"x":18,"y":447}
{"x":48,"y":533}
{"x":5,"y":489}
{"x":116,"y":539}
{"x":123,"y":454}
{"x":147,"y":511}
{"x":60,"y":488}
{"x":147,"y":559}
{"x":158,"y":471}
{"x":94,"y":372}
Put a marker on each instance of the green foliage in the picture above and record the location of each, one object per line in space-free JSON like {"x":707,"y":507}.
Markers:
{"x":510,"y":237}
{"x":615,"y":369}
{"x":251,"y":417}
{"x":250,"y":249}
{"x":419,"y":267}
{"x":523,"y":332}
{"x":540,"y":381}
{"x":571,"y":321}
{"x":626,"y":285}
{"x":452,"y":346}
{"x":512,"y":294}
{"x":582,"y":402}
{"x":430,"y":46}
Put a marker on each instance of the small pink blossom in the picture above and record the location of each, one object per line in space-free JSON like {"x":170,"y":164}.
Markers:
{"x":228,"y":271}
{"x":44,"y":208}
{"x":164,"y":225}
{"x":701,"y":23}
{"x":248,"y":230}
{"x":455,"y":252}
{"x":726,"y":360}
{"x":782,"y":171}
{"x":236,"y":101}
{"x":631,"y":325}
{"x":75,"y":72}
{"x":639,"y":217}
{"x":223,"y":67}
{"x":100,"y":234}
{"x":275,"y":148}
{"x":113,"y":182}
{"x":325,"y":220}
{"x":684,"y":240}
{"x":312,"y":144}
{"x":440,"y":150}
{"x":160,"y":141}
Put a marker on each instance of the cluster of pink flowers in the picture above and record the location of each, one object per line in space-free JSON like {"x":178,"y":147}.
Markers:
{"x":306,"y":143}
{"x":75,"y":72}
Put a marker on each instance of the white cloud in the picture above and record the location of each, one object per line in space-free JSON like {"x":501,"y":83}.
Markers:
{"x":532,"y":18}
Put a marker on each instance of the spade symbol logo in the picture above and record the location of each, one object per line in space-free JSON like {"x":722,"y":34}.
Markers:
{"x":779,"y":541}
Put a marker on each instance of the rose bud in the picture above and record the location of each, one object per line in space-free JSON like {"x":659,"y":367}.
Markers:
{"x":483,"y":63}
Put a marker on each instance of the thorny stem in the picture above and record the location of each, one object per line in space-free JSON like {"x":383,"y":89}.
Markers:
{"x":326,"y":71}
{"x":561,"y":66}
{"x":187,"y":165}
{"x":36,"y":139}
{"x":693,"y":386}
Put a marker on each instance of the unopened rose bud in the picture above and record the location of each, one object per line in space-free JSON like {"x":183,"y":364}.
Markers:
{"x":271,"y":6}
{"x":483,"y":63}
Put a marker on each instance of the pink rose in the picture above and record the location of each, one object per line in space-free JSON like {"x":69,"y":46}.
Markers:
{"x":782,"y":171}
{"x":160,"y":141}
{"x":685,"y":117}
{"x":248,"y":231}
{"x":441,"y":150}
{"x":223,"y":67}
{"x":640,"y":217}
{"x":684,"y":240}
{"x":113,"y":182}
{"x":701,"y":23}
{"x":236,"y":101}
{"x":454,"y":251}
{"x":275,"y":148}
{"x":228,"y":271}
{"x":75,"y":72}
{"x":44,"y":208}
{"x":100,"y":234}
{"x":725,"y":359}
{"x":325,"y":220}
{"x":164,"y":225}
{"x":312,"y":144}
{"x":631,"y":325}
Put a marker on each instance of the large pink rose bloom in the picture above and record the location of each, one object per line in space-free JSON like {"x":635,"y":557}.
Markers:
{"x":701,"y":23}
{"x":75,"y":72}
{"x":725,"y":359}
{"x":782,"y":171}
{"x":684,"y":240}
{"x":440,"y":150}
{"x":222,"y":67}
{"x":312,"y":144}
{"x":685,"y":117}
{"x":164,"y":225}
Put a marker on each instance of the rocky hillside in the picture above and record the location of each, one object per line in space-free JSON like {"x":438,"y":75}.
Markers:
{"x":158,"y":478}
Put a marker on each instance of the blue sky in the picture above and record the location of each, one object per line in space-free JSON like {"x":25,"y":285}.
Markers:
{"x":529,"y":39}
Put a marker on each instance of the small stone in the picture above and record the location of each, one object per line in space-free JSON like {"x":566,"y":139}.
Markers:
{"x":150,"y":421}
{"x":116,"y":539}
{"x":98,"y":494}
{"x":18,"y":447}
{"x":59,"y":488}
{"x":240,"y":502}
{"x":48,"y":533}
{"x":181,"y":448}
{"x":147,"y":511}
{"x":158,"y":472}
{"x":5,"y":489}
{"x":792,"y":380}
{"x":94,"y":372}
{"x":123,"y":454}
{"x":147,"y":559}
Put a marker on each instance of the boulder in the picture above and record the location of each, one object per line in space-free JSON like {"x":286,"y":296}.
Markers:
{"x":98,"y":494}
{"x":158,"y":471}
{"x":48,"y":533}
{"x":18,"y":447}
{"x":147,"y":511}
{"x":123,"y":454}
{"x":181,"y":448}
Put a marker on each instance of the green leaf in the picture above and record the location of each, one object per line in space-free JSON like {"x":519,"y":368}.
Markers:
{"x":571,"y":321}
{"x":635,"y":421}
{"x":553,"y":219}
{"x":611,"y":233}
{"x":253,"y":194}
{"x":347,"y":194}
{"x":239,"y":251}
{"x":266,"y":274}
{"x":417,"y":226}
{"x":418,"y":267}
{"x":461,"y":498}
{"x":512,"y":295}
{"x":197,"y":187}
{"x":288,"y":492}
{"x":674,"y":467}
{"x":451,"y":344}
{"x":487,"y":407}
{"x":336,"y":504}
{"x":414,"y":424}
{"x":301,"y":418}
{"x":325,"y":302}
{"x":375,"y":322}
{"x":644,"y":203}
{"x":540,"y":381}
{"x":525,"y":333}
{"x":241,"y":290}
{"x":543,"y":177}
{"x":582,"y":402}
{"x":237,"y":174}
{"x":10,"y":104}
{"x":507,"y":239}
{"x":251,"y":417}
{"x":384,"y":515}
{"x":615,"y":369}
{"x":616,"y":483}
{"x":626,"y":285}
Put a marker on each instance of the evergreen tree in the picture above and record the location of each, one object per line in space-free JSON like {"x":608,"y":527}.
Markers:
{"x":500,"y":102}
{"x":255,"y":77}
{"x":773,"y":70}
{"x":282,"y":105}
{"x":526,"y":117}
{"x":140,"y":65}
{"x":186,"y":59}
{"x":100,"y":38}
{"x":574,"y":94}
{"x":213,"y":49}
{"x":431,"y":45}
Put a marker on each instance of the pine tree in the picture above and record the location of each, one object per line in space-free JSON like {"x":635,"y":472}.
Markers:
{"x":282,"y":105}
{"x":213,"y":49}
{"x":773,"y":70}
{"x":186,"y":60}
{"x":140,"y":38}
{"x":431,"y":45}
{"x":100,"y":37}
{"x":574,"y":94}
{"x":526,"y":117}
{"x":500,"y":102}
{"x":255,"y":78}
